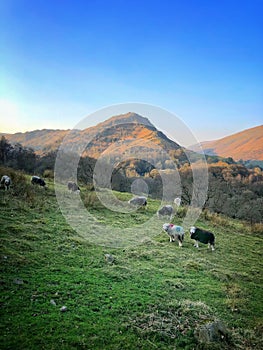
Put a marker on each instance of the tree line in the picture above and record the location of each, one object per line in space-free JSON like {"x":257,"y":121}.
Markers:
{"x":234,"y":189}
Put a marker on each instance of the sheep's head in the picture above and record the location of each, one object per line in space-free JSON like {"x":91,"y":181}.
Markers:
{"x":192,"y":229}
{"x":177,"y":201}
{"x":166,"y":226}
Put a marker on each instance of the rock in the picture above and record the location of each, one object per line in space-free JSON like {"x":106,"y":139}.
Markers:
{"x":109,"y":258}
{"x":52,"y":302}
{"x":211,"y":332}
{"x":63,"y":309}
{"x":18,"y":281}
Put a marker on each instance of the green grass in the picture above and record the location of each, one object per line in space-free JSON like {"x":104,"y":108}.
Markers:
{"x":153,"y":296}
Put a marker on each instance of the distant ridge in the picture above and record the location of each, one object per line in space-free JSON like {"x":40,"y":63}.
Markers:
{"x":245,"y":145}
{"x":131,"y":127}
{"x":40,"y":140}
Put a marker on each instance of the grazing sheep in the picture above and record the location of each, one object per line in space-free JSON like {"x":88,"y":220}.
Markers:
{"x":175,"y":232}
{"x":73,"y":187}
{"x":169,"y":210}
{"x":138,"y":201}
{"x":36,"y":180}
{"x":6,"y":181}
{"x":203,"y":236}
{"x":166,"y":210}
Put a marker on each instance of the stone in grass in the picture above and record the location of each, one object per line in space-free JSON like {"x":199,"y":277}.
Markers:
{"x":109,"y":258}
{"x":18,"y":281}
{"x":211,"y":332}
{"x":63,"y":308}
{"x":52,"y":302}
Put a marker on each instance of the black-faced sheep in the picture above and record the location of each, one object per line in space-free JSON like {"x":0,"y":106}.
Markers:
{"x":6,"y":182}
{"x":203,"y":236}
{"x":175,"y":233}
{"x":36,"y":180}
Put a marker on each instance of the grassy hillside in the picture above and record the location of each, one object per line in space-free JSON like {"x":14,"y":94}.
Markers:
{"x":246,"y":145}
{"x":152,"y":296}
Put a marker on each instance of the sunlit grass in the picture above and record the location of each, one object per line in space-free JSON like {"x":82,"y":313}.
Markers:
{"x":152,"y":296}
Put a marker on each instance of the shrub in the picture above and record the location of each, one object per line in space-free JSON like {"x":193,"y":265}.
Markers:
{"x":257,"y":228}
{"x":15,"y":176}
{"x":91,"y":200}
{"x":181,"y":212}
{"x":20,"y":187}
{"x":48,"y":174}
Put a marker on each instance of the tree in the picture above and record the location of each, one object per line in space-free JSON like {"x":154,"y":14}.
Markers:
{"x":231,"y":207}
{"x":22,"y":158}
{"x":251,"y":211}
{"x":5,"y":149}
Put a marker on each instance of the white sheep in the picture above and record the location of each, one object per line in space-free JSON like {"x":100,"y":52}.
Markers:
{"x":175,"y":232}
{"x":6,"y":181}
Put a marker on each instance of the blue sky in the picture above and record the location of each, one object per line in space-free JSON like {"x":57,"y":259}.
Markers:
{"x":201,"y":60}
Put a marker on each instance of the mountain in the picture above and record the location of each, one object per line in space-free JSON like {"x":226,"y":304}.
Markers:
{"x":41,"y":141}
{"x":246,"y":145}
{"x":115,"y":135}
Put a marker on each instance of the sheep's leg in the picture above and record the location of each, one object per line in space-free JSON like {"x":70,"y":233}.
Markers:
{"x":171,"y":239}
{"x":180,"y":243}
{"x":196,"y":244}
{"x":213,"y":247}
{"x":208,"y":246}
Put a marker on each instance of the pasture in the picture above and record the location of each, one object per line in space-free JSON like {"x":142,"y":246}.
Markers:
{"x":154,"y":295}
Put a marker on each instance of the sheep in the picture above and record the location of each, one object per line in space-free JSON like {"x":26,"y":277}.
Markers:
{"x":177,"y":201}
{"x":166,"y":210}
{"x":6,"y":182}
{"x":175,"y":232}
{"x":140,"y":201}
{"x":203,"y":236}
{"x":169,"y":210}
{"x":73,"y":187}
{"x":37,"y":180}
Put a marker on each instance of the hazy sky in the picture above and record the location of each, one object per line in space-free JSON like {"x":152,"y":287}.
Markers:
{"x":201,"y":60}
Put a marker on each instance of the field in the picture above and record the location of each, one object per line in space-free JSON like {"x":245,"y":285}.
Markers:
{"x":153,"y":295}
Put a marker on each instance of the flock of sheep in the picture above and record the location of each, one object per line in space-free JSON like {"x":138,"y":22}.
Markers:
{"x":175,"y":232}
{"x":197,"y":234}
{"x":6,"y":181}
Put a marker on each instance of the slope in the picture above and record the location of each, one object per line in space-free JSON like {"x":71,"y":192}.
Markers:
{"x":154,"y":295}
{"x":246,"y":145}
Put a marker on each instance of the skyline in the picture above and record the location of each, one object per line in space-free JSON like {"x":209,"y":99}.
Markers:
{"x":64,"y":60}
